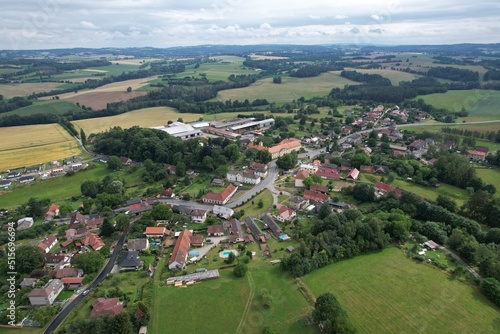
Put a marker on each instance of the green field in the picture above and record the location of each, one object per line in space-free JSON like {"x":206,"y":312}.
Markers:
{"x":290,"y":88}
{"x":231,"y":305}
{"x":56,"y":107}
{"x":490,"y":176}
{"x":386,"y":292}
{"x":223,"y":68}
{"x":395,"y":76}
{"x":457,"y":194}
{"x":252,"y":210}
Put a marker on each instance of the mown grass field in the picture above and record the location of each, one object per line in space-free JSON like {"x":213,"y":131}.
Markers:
{"x":290,"y":88}
{"x":25,"y":89}
{"x":223,"y":68}
{"x":56,"y":107}
{"x":25,"y":330}
{"x":395,"y":76}
{"x":147,"y":117}
{"x":231,"y":305}
{"x":386,"y":292}
{"x":253,"y":210}
{"x":457,"y":194}
{"x":35,"y":144}
{"x":490,"y":176}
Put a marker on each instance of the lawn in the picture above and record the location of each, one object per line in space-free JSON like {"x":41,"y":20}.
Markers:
{"x":35,"y":144}
{"x":290,"y":88}
{"x":56,"y":107}
{"x":25,"y":330}
{"x":490,"y":176}
{"x":457,"y":194}
{"x":148,"y":117}
{"x":386,"y":292}
{"x":252,"y":210}
{"x":236,"y":301}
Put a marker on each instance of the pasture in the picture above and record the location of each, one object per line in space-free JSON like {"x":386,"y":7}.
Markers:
{"x":56,"y":107}
{"x":34,"y":144}
{"x":24,"y":89}
{"x":290,"y":88}
{"x":142,"y":117}
{"x":385,"y":292}
{"x":457,"y":194}
{"x":490,"y":176}
{"x":237,"y":301}
{"x":223,"y":68}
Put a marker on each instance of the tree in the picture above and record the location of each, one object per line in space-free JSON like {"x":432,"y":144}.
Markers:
{"x":141,"y":314}
{"x":287,"y":161}
{"x":312,"y":179}
{"x":114,"y":163}
{"x":260,"y":204}
{"x":240,"y":270}
{"x":263,"y":156}
{"x":28,"y":258}
{"x":129,"y":89}
{"x":90,"y":262}
{"x":107,"y":228}
{"x":161,"y":212}
{"x":360,"y":159}
{"x":230,"y":258}
{"x":277,"y":80}
{"x":490,"y":287}
{"x":364,"y":192}
{"x":446,"y":202}
{"x":327,"y":310}
{"x":232,"y":152}
{"x":121,"y":324}
{"x":122,"y":222}
{"x":90,"y":188}
{"x":44,"y":314}
{"x":83,"y":137}
{"x":180,"y":169}
{"x":36,"y":208}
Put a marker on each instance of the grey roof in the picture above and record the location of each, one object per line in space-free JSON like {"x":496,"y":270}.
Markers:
{"x":5,"y":183}
{"x":297,"y":199}
{"x":236,"y":227}
{"x":256,"y":231}
{"x":269,"y":221}
{"x":130,"y":259}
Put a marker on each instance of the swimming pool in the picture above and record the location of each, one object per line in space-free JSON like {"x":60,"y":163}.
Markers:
{"x":225,"y":254}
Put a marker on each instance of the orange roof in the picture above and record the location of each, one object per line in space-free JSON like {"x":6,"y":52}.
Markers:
{"x":94,"y":241}
{"x":474,"y":152}
{"x":353,"y":174}
{"x":181,"y":248}
{"x":285,"y":144}
{"x":72,"y":280}
{"x":155,"y":230}
{"x":221,"y":196}
{"x":301,"y":174}
{"x":317,"y":196}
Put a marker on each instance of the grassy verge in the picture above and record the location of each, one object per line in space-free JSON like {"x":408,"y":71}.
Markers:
{"x":253,"y":210}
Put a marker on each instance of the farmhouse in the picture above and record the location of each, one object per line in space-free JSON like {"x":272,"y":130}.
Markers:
{"x":243,"y":176}
{"x":94,"y":241}
{"x":77,"y":218}
{"x":47,"y":243}
{"x":94,"y":223}
{"x":197,"y":240}
{"x":130,"y":261}
{"x":220,"y":198}
{"x":197,"y":215}
{"x":236,"y":233}
{"x":298,"y":203}
{"x":319,"y":188}
{"x":140,"y":244}
{"x":24,"y":223}
{"x":52,"y":212}
{"x":167,"y":193}
{"x":215,"y":230}
{"x":103,"y":306}
{"x":180,"y":252}
{"x":476,"y":155}
{"x":155,"y":232}
{"x":46,"y":295}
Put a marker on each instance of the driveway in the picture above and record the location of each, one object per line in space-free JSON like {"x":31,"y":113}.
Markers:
{"x":208,"y":246}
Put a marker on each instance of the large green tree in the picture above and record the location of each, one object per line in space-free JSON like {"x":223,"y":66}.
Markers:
{"x":28,"y":258}
{"x":89,"y":262}
{"x":114,"y":163}
{"x":287,"y":161}
{"x":329,"y":312}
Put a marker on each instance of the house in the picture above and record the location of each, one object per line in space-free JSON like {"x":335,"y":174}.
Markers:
{"x":94,"y":241}
{"x":125,"y":161}
{"x":367,"y":169}
{"x":197,"y":240}
{"x":476,"y":155}
{"x":220,"y":198}
{"x":299,"y":178}
{"x":398,"y":148}
{"x":155,"y":232}
{"x":167,"y":193}
{"x":285,"y":214}
{"x":260,"y":169}
{"x":103,"y":306}
{"x":353,"y":174}
{"x":76,"y":234}
{"x":316,"y":196}
{"x":143,"y":330}
{"x":68,"y":272}
{"x":482,"y":149}
{"x":199,"y":216}
{"x":170,"y":168}
{"x":47,"y":243}
{"x":328,"y":173}
{"x":431,"y":245}
{"x":339,"y":207}
{"x":383,"y":189}
{"x":417,"y":145}
{"x":46,"y":295}
{"x":222,"y":211}
{"x":26,"y":179}
{"x":28,"y":283}
{"x":140,"y":244}
{"x":56,"y":260}
{"x":180,"y":253}
{"x":13,"y":174}
{"x":130,"y":261}
{"x":254,"y":229}
{"x":215,"y":230}
{"x":298,"y":203}
{"x":66,"y":243}
{"x":52,"y":212}
{"x":24,"y":223}
{"x":77,"y":218}
{"x":72,"y":282}
{"x":104,"y":159}
{"x":5,"y":183}
{"x":94,"y":223}
{"x":288,"y":145}
{"x":243,"y":176}
{"x":218,"y":182}
{"x":311,"y":169}
{"x":236,"y":233}
{"x":271,"y":224}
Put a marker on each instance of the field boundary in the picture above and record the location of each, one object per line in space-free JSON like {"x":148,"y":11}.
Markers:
{"x":251,"y":284}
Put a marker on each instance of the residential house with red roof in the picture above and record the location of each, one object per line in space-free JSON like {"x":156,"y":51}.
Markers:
{"x":47,"y":243}
{"x":316,"y":196}
{"x":215,"y":230}
{"x":181,"y":249}
{"x":328,"y":173}
{"x":319,"y":188}
{"x":220,"y":198}
{"x":94,"y":241}
{"x":155,"y":232}
{"x":285,"y":214}
{"x":353,"y":174}
{"x":476,"y":155}
{"x":103,"y":306}
{"x":383,"y":189}
{"x":72,"y":282}
{"x":52,"y":212}
{"x":299,"y":178}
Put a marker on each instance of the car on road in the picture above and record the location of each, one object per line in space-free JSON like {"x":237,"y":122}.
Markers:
{"x":209,"y":240}
{"x":78,"y":292}
{"x":86,"y":292}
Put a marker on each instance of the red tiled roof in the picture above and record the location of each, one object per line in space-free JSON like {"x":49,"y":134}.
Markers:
{"x":319,"y":188}
{"x":220,"y":196}
{"x":288,"y":143}
{"x":301,"y":174}
{"x":329,"y":173}
{"x":45,"y":243}
{"x":474,"y":152}
{"x":386,"y":188}
{"x":66,"y":272}
{"x":94,"y":241}
{"x":181,"y":248}
{"x":196,"y":239}
{"x":102,"y":306}
{"x":72,"y":280}
{"x":317,"y":196}
{"x":155,"y":230}
{"x":215,"y":229}
{"x":353,"y":174}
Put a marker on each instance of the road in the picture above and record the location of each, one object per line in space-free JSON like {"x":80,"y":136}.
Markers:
{"x":462,"y":262}
{"x":105,"y":271}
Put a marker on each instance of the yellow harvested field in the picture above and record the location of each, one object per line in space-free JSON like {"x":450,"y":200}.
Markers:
{"x":34,"y":144}
{"x":264,"y":57}
{"x":147,"y":117}
{"x":99,"y":100}
{"x":24,"y":89}
{"x":91,"y":70}
{"x":137,"y":61}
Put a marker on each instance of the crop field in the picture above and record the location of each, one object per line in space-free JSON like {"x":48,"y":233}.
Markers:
{"x":263,"y":57}
{"x":395,"y":76}
{"x":236,"y":301}
{"x":385,"y":292}
{"x":226,"y":66}
{"x":143,"y":117}
{"x":34,"y":144}
{"x":55,"y":107}
{"x":290,"y":88}
{"x":24,"y":89}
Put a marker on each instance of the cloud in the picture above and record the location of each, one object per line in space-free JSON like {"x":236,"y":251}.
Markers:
{"x":88,"y":25}
{"x":375,"y":31}
{"x":340,"y":17}
{"x":355,"y":30}
{"x":377,"y":17}
{"x":265,"y":26}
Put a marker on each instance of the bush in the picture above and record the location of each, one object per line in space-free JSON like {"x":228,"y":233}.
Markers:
{"x":240,"y":270}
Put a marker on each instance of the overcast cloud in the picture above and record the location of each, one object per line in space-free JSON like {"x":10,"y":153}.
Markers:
{"x":36,"y":24}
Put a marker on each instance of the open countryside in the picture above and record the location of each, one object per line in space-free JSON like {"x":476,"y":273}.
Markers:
{"x":34,"y":144}
{"x":386,"y":292}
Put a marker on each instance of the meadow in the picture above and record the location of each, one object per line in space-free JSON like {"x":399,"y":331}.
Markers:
{"x":385,"y":292}
{"x":290,"y":88}
{"x":395,"y":76}
{"x":35,"y":144}
{"x":457,"y":194}
{"x":220,"y":70}
{"x":24,"y":89}
{"x":253,"y":210}
{"x":490,"y":176}
{"x":147,"y":117}
{"x":56,"y":107}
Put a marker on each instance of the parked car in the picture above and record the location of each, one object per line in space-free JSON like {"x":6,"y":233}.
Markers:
{"x":86,"y":292}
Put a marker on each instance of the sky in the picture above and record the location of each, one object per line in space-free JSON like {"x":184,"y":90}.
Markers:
{"x":48,"y":24}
